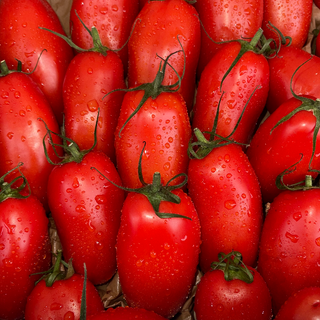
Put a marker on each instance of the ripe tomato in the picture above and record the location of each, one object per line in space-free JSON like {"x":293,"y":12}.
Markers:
{"x":250,"y":72}
{"x":157,"y":257}
{"x":226,"y":20}
{"x":21,"y":132}
{"x":306,"y":80}
{"x":89,"y":77}
{"x":155,"y":33}
{"x":281,"y":148}
{"x":163,"y":123}
{"x":227,"y":197}
{"x":290,"y":244}
{"x":291,"y":17}
{"x":303,"y":304}
{"x":62,"y":300}
{"x":86,"y":210}
{"x":127,"y":313}
{"x":24,"y":250}
{"x":112,"y":18}
{"x":22,"y":39}
{"x":228,"y":294}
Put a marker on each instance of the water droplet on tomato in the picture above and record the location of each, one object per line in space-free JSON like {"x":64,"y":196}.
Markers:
{"x":297,"y":216}
{"x":75,"y":182}
{"x":90,"y":70}
{"x":139,"y":263}
{"x":101,"y":199}
{"x":317,"y":242}
{"x":17,"y":94}
{"x":98,"y":245}
{"x":220,"y":307}
{"x":22,"y":113}
{"x":23,"y":138}
{"x":93,"y":105}
{"x":2,"y":246}
{"x":10,"y":135}
{"x":4,"y":94}
{"x":10,"y":228}
{"x":69,"y":316}
{"x":56,"y":306}
{"x":230,"y":204}
{"x":243,"y":70}
{"x":153,"y":254}
{"x":114,"y":7}
{"x":294,"y":238}
{"x":166,"y":166}
{"x":103,"y":10}
{"x":90,"y":226}
{"x":80,"y":208}
{"x":7,"y":262}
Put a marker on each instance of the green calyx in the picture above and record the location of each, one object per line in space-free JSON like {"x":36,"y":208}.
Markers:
{"x":156,"y":192}
{"x":72,"y":152}
{"x":232,"y":266}
{"x":154,"y":89}
{"x":7,"y":191}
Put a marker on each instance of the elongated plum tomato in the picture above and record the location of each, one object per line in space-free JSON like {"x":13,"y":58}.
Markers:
{"x":86,"y":209}
{"x":22,"y":39}
{"x":25,"y":249}
{"x":157,"y":258}
{"x":89,"y":77}
{"x":227,"y":197}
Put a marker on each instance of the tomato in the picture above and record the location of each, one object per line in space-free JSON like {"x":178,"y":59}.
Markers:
{"x":291,"y":17}
{"x":86,"y":209}
{"x":228,"y":294}
{"x":22,"y":39}
{"x":304,"y":304}
{"x":163,"y":123}
{"x":23,"y":104}
{"x":248,"y":74}
{"x":93,"y":75}
{"x":157,"y":257}
{"x":227,"y":197}
{"x":62,"y":300}
{"x":156,"y":33}
{"x":271,"y":152}
{"x":121,"y":313}
{"x":306,"y":80}
{"x":226,"y":20}
{"x":289,"y":250}
{"x":112,"y":18}
{"x":24,"y":250}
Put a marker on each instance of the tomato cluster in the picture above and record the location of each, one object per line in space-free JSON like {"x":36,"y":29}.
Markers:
{"x":159,"y":160}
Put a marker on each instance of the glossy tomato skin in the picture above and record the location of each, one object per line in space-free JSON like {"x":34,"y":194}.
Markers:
{"x":302,"y":305}
{"x":62,"y":300}
{"x":289,"y":249}
{"x":305,"y":82}
{"x":217,"y":298}
{"x":161,"y":22}
{"x":126,"y":313}
{"x":22,"y":39}
{"x":112,"y":18}
{"x":272,"y":153}
{"x":24,"y":250}
{"x":23,"y":105}
{"x":157,"y":258}
{"x":89,"y":77}
{"x":291,"y":17}
{"x":163,"y":123}
{"x":226,"y":20}
{"x":227,"y":197}
{"x":86,"y":210}
{"x":251,"y":71}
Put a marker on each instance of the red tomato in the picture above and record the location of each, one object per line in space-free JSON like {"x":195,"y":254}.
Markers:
{"x":291,"y":17}
{"x":86,"y":210}
{"x":157,"y":258}
{"x":62,"y":300}
{"x":155,"y":33}
{"x":218,"y":297}
{"x":24,"y":250}
{"x":227,"y":197}
{"x":302,"y":305}
{"x":21,"y":132}
{"x":164,"y":124}
{"x":112,"y":18}
{"x":289,"y":251}
{"x":90,"y":76}
{"x":271,"y":153}
{"x":306,"y":81}
{"x":251,"y":71}
{"x":317,"y":3}
{"x":226,"y":20}
{"x":125,"y":313}
{"x":22,"y":39}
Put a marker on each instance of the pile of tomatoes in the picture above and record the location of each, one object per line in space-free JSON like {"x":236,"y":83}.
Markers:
{"x":167,"y":148}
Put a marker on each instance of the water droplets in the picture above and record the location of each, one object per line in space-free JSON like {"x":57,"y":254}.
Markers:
{"x":93,"y":105}
{"x":230,"y":204}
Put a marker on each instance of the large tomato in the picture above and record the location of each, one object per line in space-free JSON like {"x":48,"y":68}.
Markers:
{"x":226,"y":20}
{"x":158,"y":257}
{"x":24,"y":250}
{"x":22,"y":39}
{"x":156,"y":33}
{"x":22,"y":105}
{"x":289,"y":251}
